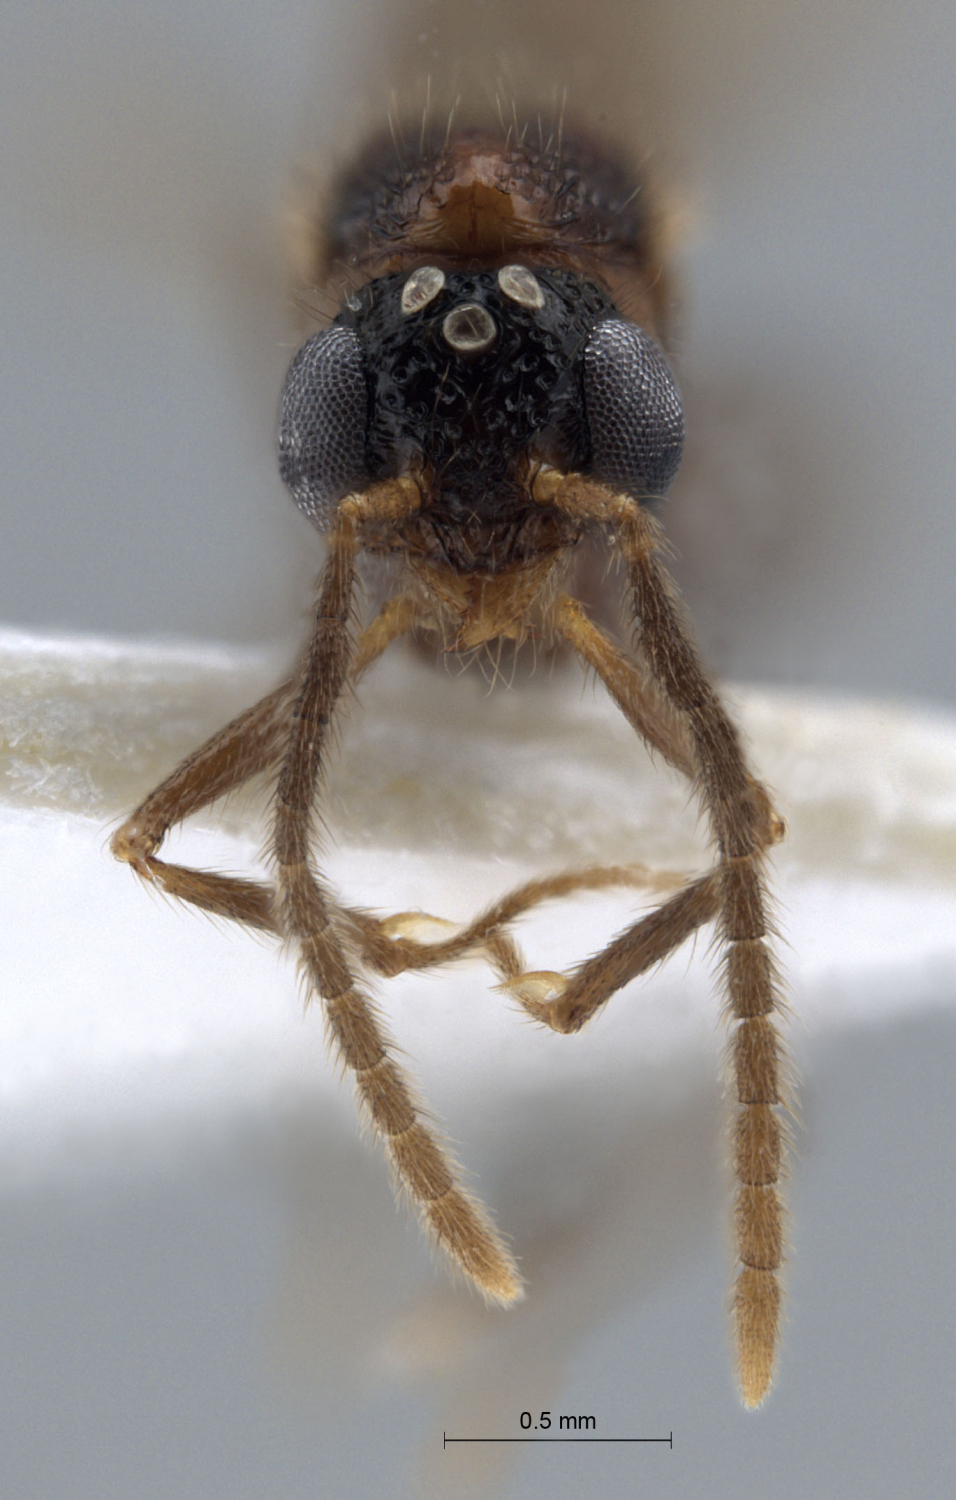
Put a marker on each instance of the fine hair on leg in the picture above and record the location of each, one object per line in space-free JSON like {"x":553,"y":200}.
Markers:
{"x":248,"y":745}
{"x":252,"y":743}
{"x":744,"y":825}
{"x":310,"y":917}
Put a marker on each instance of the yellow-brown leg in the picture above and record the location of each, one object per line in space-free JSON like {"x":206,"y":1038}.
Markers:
{"x":744,"y":826}
{"x":567,"y":1002}
{"x":250,"y":744}
{"x":387,"y":946}
{"x":635,"y":693}
{"x":310,"y":915}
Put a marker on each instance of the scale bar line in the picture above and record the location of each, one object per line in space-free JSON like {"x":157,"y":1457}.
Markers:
{"x":446,"y":1440}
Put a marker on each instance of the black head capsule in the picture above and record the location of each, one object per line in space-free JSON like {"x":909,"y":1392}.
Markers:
{"x":473,"y":378}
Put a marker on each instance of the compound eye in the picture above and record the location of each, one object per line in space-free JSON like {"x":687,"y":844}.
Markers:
{"x":521,"y":286}
{"x":634,"y":415}
{"x":322,"y":422}
{"x":421,"y":288}
{"x":469,"y":329}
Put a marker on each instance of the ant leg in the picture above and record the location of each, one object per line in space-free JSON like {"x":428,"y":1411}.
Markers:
{"x":744,"y":826}
{"x":566,"y":1002}
{"x":396,"y":618}
{"x":390,"y":945}
{"x":310,"y":914}
{"x":248,"y":745}
{"x":635,"y":692}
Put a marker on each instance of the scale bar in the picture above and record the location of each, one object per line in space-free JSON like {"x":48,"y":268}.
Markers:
{"x":446,"y":1440}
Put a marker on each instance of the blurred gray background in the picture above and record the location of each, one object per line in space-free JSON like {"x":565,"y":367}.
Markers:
{"x":147,"y":324}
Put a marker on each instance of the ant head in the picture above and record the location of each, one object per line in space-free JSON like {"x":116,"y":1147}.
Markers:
{"x":468,"y":375}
